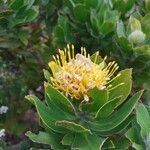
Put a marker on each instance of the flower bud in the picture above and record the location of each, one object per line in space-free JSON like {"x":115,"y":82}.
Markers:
{"x":137,"y":37}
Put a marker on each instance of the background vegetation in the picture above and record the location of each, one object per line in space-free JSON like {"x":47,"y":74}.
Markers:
{"x":32,"y":30}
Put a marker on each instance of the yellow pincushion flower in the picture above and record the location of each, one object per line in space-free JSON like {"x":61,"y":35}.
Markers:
{"x":74,"y":74}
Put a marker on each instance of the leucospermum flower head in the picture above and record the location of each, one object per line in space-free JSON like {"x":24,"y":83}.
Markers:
{"x":74,"y":74}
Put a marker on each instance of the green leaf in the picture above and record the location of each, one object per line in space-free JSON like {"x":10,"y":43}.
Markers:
{"x":99,"y":98}
{"x":23,"y":36}
{"x":94,"y":22}
{"x":143,"y":119}
{"x":124,"y":89}
{"x":107,"y":27}
{"x":31,"y":14}
{"x":107,"y":108}
{"x":108,"y":144}
{"x":41,"y":137}
{"x":68,"y":139}
{"x":63,"y":23}
{"x":109,"y":22}
{"x":47,"y":116}
{"x":87,"y":142}
{"x":91,"y":4}
{"x":130,"y":4}
{"x":29,"y":3}
{"x":72,"y":126}
{"x":125,"y":45}
{"x":121,"y":143}
{"x":138,"y":146}
{"x":119,"y":5}
{"x":5,"y":13}
{"x":59,"y":111}
{"x":133,"y":134}
{"x":120,"y":29}
{"x":47,"y":75}
{"x":45,"y":138}
{"x":119,"y":128}
{"x":101,"y":13}
{"x":145,"y":24}
{"x":96,"y":58}
{"x":58,"y":99}
{"x":24,"y":15}
{"x":77,"y":1}
{"x":117,"y":117}
{"x":58,"y":103}
{"x":147,"y":5}
{"x":16,"y":4}
{"x":81,"y":13}
{"x":59,"y":32}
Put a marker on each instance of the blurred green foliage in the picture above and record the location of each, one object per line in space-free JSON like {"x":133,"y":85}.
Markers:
{"x":23,"y":55}
{"x":31,"y":31}
{"x":118,"y":28}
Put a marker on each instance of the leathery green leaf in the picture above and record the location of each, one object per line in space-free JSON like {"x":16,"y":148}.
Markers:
{"x":68,"y":139}
{"x":16,"y":4}
{"x":41,"y":137}
{"x":107,"y":27}
{"x":47,"y":116}
{"x":145,"y":24}
{"x":96,"y":58}
{"x":147,"y":5}
{"x":99,"y":98}
{"x":92,"y":3}
{"x":143,"y":119}
{"x":120,"y":29}
{"x":108,"y":144}
{"x":47,"y":75}
{"x":81,"y":12}
{"x":121,"y":85}
{"x":119,"y":128}
{"x":72,"y":126}
{"x":46,"y":138}
{"x":117,"y":117}
{"x":121,"y":143}
{"x":58,"y":98}
{"x":56,"y":108}
{"x":133,"y":134}
{"x":60,"y":112}
{"x":87,"y":142}
{"x":107,"y":109}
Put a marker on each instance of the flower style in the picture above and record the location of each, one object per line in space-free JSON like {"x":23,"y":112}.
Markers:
{"x":74,"y":74}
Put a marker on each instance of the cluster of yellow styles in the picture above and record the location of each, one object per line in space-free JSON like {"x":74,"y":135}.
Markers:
{"x":74,"y":74}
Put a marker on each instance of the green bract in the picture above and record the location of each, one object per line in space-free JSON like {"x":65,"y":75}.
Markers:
{"x":92,"y":125}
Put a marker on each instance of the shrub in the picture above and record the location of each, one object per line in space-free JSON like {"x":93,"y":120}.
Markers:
{"x":85,"y":104}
